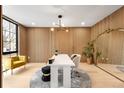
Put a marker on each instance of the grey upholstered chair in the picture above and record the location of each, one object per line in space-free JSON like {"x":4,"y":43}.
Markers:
{"x":76,"y":59}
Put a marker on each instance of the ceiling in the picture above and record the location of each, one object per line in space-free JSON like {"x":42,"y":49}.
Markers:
{"x":45,"y":15}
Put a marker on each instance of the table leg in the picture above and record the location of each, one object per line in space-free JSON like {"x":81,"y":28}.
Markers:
{"x":67,"y":77}
{"x":54,"y":77}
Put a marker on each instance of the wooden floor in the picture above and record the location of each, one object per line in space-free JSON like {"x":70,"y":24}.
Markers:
{"x":112,"y":69}
{"x":21,"y":77}
{"x":101,"y":79}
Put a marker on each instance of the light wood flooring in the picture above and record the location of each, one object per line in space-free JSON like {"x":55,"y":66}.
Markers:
{"x":21,"y":77}
{"x":113,"y":70}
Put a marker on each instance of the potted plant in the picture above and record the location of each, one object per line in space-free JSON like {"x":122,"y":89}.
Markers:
{"x":98,"y":55}
{"x":88,"y":52}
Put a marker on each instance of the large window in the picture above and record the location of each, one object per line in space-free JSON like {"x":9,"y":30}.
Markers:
{"x":10,"y":37}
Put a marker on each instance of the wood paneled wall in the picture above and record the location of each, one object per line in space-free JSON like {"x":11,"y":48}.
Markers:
{"x":22,"y":40}
{"x":38,"y":45}
{"x":63,"y":41}
{"x":0,"y":46}
{"x":81,"y":36}
{"x":111,"y":45}
{"x":42,"y":42}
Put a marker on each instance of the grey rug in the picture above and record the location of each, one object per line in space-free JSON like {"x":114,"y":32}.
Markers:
{"x":79,"y":79}
{"x":121,"y":68}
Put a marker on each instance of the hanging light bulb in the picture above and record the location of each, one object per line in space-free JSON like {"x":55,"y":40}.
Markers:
{"x":52,"y":29}
{"x":67,"y":30}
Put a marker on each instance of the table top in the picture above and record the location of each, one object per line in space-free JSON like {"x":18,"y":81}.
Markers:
{"x":62,"y":60}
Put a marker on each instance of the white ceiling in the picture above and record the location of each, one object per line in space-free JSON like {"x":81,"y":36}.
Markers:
{"x":45,"y":15}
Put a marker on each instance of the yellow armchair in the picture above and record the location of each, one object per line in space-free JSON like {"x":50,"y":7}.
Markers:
{"x":15,"y":62}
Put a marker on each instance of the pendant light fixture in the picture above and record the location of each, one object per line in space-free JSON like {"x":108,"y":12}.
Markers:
{"x":60,"y":25}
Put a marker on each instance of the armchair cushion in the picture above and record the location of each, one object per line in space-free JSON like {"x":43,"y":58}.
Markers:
{"x":18,"y":62}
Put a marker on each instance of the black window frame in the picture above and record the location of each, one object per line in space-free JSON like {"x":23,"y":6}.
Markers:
{"x":13,"y":22}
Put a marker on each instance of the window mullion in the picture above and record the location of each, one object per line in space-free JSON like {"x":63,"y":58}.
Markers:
{"x":9,"y":34}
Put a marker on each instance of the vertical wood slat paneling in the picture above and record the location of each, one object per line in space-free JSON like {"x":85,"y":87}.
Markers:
{"x":0,"y":46}
{"x":122,"y":59}
{"x":63,"y":41}
{"x":22,"y":40}
{"x":116,"y":47}
{"x":80,"y":39}
{"x":111,"y":44}
{"x":41,"y":42}
{"x":38,"y":44}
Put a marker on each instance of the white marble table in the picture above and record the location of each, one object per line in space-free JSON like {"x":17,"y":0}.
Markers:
{"x":62,"y":61}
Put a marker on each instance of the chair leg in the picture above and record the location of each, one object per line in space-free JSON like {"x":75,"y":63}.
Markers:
{"x":11,"y":71}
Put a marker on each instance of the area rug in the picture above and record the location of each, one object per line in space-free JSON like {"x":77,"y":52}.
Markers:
{"x":121,"y":68}
{"x":79,"y":79}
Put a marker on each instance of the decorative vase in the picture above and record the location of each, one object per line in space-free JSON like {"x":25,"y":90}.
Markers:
{"x":56,"y":52}
{"x":89,"y":60}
